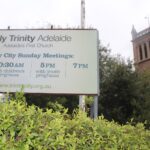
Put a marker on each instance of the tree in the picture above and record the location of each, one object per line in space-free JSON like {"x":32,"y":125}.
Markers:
{"x":117,"y":90}
{"x":141,"y":104}
{"x":125,"y":92}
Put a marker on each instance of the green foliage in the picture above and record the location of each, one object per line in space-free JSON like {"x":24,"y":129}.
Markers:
{"x":25,"y":127}
{"x":89,"y":100}
{"x":141,"y":104}
{"x":46,"y":101}
{"x":117,"y":90}
{"x":125,"y":93}
{"x":55,"y":106}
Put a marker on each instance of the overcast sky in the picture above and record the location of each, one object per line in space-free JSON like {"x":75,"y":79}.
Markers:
{"x":113,"y":18}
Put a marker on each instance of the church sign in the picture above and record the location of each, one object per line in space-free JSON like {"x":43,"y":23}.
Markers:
{"x":49,"y":61}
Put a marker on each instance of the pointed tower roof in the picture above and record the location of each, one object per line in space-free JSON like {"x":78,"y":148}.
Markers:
{"x":133,"y":32}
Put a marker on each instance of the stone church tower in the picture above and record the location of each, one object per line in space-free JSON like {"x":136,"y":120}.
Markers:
{"x":141,"y":48}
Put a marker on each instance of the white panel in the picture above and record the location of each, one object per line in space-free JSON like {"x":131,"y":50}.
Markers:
{"x":49,"y":61}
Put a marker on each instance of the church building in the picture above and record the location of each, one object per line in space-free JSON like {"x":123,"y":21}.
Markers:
{"x":141,"y":48}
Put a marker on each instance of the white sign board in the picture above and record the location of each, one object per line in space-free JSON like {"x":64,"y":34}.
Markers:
{"x":49,"y":61}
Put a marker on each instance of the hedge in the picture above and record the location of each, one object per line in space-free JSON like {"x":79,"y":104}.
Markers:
{"x":25,"y":127}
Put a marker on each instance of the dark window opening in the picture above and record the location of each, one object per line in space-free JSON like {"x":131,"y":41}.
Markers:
{"x":140,"y":52}
{"x":145,"y":50}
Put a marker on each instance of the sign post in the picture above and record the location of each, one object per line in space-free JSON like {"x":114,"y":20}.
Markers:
{"x":82,"y":97}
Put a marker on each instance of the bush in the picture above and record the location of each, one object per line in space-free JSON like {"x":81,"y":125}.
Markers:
{"x":25,"y":127}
